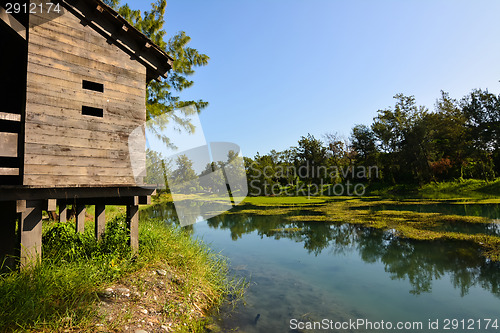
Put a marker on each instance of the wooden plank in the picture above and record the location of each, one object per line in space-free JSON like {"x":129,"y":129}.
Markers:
{"x":133,"y":226}
{"x":20,"y":206}
{"x":116,"y":201}
{"x":77,"y":161}
{"x":55,"y":150}
{"x":81,"y":181}
{"x":72,"y":110}
{"x":64,"y":170}
{"x":67,"y":24}
{"x":119,"y":110}
{"x":87,"y":59}
{"x":72,"y":76}
{"x":106,"y":54}
{"x":106,"y":28}
{"x":135,"y":113}
{"x":70,"y":30}
{"x":50,"y":205}
{"x":72,"y":193}
{"x":9,"y":171}
{"x":12,"y":23}
{"x":8,"y":144}
{"x":66,"y":119}
{"x":10,"y":116}
{"x":80,"y":218}
{"x":50,"y":129}
{"x":100,"y":220}
{"x":42,"y":64}
{"x":51,"y":154}
{"x":34,"y":137}
{"x":51,"y":83}
{"x":97,"y":49}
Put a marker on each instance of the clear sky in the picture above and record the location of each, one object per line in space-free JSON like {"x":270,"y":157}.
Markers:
{"x":280,"y":69}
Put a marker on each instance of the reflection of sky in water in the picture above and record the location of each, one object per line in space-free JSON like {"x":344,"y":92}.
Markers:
{"x":341,"y":272}
{"x":371,"y":276}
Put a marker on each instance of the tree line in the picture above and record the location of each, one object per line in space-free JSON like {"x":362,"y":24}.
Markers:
{"x":407,"y":144}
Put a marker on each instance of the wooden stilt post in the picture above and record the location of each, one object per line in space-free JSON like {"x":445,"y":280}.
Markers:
{"x":63,"y":212}
{"x":30,"y":228}
{"x":100,"y":220}
{"x":80,"y":218}
{"x":8,"y":239}
{"x":133,"y":225}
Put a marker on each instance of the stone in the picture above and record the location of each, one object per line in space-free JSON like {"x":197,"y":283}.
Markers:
{"x":107,"y":293}
{"x":123,"y":291}
{"x":161,"y":272}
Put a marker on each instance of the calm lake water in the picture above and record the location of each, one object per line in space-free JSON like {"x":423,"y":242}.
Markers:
{"x":315,"y":271}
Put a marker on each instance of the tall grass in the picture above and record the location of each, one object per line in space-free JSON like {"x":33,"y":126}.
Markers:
{"x":61,"y":290}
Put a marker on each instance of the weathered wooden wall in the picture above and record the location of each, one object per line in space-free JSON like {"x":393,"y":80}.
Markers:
{"x":64,"y":147}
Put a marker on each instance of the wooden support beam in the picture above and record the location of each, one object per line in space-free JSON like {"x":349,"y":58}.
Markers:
{"x":8,"y":240}
{"x":63,"y":212}
{"x":70,"y":194}
{"x":50,"y":205}
{"x":20,"y":206}
{"x":100,"y":220}
{"x":118,"y":201}
{"x":14,"y":24}
{"x":80,"y":218}
{"x":133,"y":226}
{"x":30,"y":228}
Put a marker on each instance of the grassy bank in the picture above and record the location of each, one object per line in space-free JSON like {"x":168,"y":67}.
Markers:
{"x":66,"y":290}
{"x":472,"y":188}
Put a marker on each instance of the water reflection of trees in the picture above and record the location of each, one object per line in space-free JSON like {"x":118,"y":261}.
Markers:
{"x":418,"y":262}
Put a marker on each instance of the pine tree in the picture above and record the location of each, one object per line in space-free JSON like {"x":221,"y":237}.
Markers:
{"x":162,"y":96}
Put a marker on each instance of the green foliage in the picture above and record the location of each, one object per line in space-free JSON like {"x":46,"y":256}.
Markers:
{"x":162,"y":96}
{"x":363,"y":142}
{"x":310,"y":155}
{"x":61,"y":291}
{"x":115,"y":239}
{"x":407,"y":144}
{"x":61,"y":242}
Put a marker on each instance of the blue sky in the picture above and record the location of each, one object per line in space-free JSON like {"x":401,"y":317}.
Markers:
{"x":280,"y":69}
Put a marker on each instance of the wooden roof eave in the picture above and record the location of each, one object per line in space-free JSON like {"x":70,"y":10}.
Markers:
{"x":118,"y":31}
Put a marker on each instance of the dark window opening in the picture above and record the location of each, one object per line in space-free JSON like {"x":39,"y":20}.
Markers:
{"x":89,"y":85}
{"x":90,"y":111}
